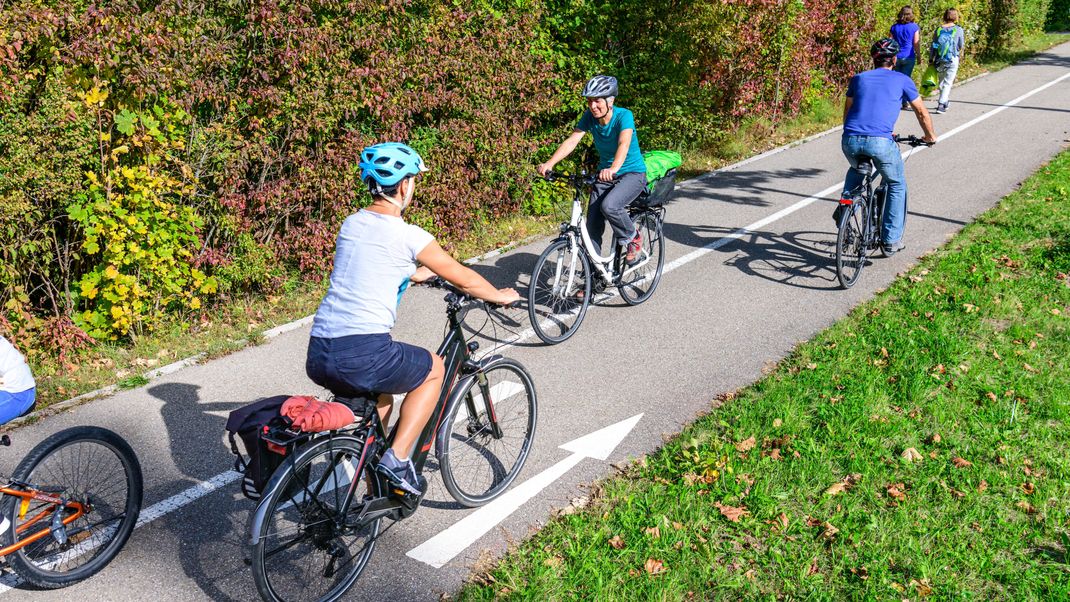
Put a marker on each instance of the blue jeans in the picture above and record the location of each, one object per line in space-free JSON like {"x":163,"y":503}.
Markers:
{"x":906,"y":66}
{"x":889,"y":163}
{"x":13,"y":405}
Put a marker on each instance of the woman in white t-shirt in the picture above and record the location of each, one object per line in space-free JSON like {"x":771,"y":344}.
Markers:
{"x":17,"y":387}
{"x":351,"y":351}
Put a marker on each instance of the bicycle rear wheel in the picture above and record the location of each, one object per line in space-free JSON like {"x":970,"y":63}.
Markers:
{"x":638,"y":284}
{"x":851,"y":244}
{"x":95,"y":473}
{"x":560,"y":291}
{"x":485,"y":440}
{"x":306,"y":550}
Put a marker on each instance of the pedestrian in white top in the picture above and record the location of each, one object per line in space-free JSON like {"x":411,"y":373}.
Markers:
{"x":17,"y":388}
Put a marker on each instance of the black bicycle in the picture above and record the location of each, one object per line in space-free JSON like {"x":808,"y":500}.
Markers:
{"x":316,"y":525}
{"x":861,"y":217}
{"x":562,"y":282}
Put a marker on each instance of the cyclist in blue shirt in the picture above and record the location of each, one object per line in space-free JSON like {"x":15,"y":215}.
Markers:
{"x":869,"y":115}
{"x":350,"y":351}
{"x":622,"y":171}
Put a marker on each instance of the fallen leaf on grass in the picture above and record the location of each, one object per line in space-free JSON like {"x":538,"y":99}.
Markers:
{"x":1026,"y":507}
{"x":750,"y":575}
{"x":747,"y":444}
{"x":829,"y":530}
{"x":732,"y":513}
{"x":554,"y":561}
{"x":677,"y":526}
{"x":991,"y":396}
{"x":653,"y":532}
{"x":961,"y":462}
{"x":654,"y":566}
{"x":935,"y":438}
{"x":982,"y":486}
{"x":1028,"y":488}
{"x":957,"y":493}
{"x":836,"y":488}
{"x":617,"y":542}
{"x":861,"y":572}
{"x":812,"y":570}
{"x":1029,"y":368}
{"x":911,"y":455}
{"x":895,"y":490}
{"x":777,"y":422}
{"x":921,"y":587}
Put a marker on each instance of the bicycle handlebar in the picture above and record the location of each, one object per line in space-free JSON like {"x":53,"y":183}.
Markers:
{"x":574,"y":179}
{"x":458,"y":296}
{"x":912,"y":140}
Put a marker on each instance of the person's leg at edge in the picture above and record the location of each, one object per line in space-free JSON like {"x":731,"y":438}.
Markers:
{"x":889,"y":164}
{"x":13,"y":405}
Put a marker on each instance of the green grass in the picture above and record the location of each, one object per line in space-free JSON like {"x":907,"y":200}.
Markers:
{"x":963,"y":364}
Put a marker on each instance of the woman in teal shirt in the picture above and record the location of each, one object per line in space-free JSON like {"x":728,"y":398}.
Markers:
{"x":622,"y":172}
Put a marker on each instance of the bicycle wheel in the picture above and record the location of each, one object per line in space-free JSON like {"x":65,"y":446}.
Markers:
{"x":560,"y":291}
{"x":851,"y":244}
{"x":306,"y":549}
{"x":94,"y":471}
{"x":639,"y":282}
{"x":485,"y":440}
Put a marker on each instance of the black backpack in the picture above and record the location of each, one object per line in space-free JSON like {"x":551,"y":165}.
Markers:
{"x":248,"y":423}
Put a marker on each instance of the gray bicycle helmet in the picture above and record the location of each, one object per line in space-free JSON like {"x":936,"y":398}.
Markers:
{"x":600,"y":86}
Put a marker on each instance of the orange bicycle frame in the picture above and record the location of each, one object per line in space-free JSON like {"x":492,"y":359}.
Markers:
{"x":53,"y":501}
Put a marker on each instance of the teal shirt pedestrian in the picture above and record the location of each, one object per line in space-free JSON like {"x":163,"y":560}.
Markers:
{"x":606,"y":138}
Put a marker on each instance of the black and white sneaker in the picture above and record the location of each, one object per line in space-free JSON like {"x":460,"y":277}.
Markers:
{"x":941,"y":109}
{"x":400,"y":473}
{"x":890,"y":249}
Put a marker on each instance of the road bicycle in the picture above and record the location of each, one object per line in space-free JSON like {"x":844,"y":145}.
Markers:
{"x":316,"y":525}
{"x":70,"y":506}
{"x":861,"y":217}
{"x":562,"y":282}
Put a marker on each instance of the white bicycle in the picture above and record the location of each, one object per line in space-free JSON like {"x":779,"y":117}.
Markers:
{"x":563,"y":283}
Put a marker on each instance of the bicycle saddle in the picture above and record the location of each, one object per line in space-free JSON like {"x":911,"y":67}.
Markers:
{"x":362,"y":404}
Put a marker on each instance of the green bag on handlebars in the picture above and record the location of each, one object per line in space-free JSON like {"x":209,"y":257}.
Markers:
{"x":659,"y":163}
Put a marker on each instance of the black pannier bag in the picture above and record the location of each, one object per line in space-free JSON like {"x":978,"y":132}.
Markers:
{"x":261,"y":458}
{"x":659,"y":192}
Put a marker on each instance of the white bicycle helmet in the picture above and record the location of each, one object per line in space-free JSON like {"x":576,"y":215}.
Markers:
{"x":600,"y":86}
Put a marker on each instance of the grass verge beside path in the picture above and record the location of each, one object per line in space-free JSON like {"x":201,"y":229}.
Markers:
{"x":918,"y":448}
{"x":227,"y":328}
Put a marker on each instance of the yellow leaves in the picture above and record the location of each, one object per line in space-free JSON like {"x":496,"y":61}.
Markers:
{"x":111,"y":272}
{"x":95,"y":96}
{"x":89,"y":289}
{"x":195,"y":303}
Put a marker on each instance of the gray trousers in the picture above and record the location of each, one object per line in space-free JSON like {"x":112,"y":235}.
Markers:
{"x":609,"y":202}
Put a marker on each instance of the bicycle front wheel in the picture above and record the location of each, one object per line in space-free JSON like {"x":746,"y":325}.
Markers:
{"x":851,"y":244}
{"x":485,"y":440}
{"x":638,"y":283}
{"x":97,"y":477}
{"x":560,"y":291}
{"x":307,"y":550}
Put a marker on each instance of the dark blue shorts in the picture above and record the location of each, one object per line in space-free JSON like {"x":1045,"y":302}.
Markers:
{"x":366,"y":363}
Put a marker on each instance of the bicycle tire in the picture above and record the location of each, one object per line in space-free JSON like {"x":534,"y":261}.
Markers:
{"x":547,"y":307}
{"x":851,"y":244}
{"x":287,"y":499}
{"x":460,"y":433}
{"x":648,"y":223}
{"x":91,"y":535}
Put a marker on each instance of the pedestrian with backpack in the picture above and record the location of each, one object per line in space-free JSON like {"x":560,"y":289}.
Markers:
{"x":907,"y":34}
{"x":948,"y":42}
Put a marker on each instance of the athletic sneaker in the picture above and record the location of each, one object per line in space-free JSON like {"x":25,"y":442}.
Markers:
{"x":634,"y":247}
{"x":401,"y":473}
{"x":941,"y":108}
{"x":893,"y":248}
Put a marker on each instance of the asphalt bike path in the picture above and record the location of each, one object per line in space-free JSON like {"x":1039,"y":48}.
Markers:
{"x":749,"y":274}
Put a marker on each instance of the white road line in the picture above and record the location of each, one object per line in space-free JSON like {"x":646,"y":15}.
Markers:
{"x":179,"y":500}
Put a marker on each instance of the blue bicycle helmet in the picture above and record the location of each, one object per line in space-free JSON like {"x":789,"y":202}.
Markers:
{"x":388,"y":163}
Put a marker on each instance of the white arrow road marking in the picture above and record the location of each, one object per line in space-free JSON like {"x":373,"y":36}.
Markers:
{"x":443,"y":547}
